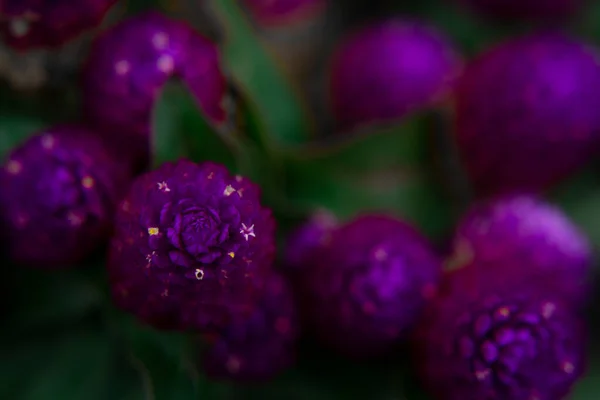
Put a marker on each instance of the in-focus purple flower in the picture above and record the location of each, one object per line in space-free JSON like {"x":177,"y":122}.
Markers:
{"x":191,"y":248}
{"x":368,"y":284}
{"x":537,"y":10}
{"x":283,"y":12}
{"x":530,"y":235}
{"x":306,"y":240}
{"x":527,"y":113}
{"x":129,"y":64}
{"x":27,"y":24}
{"x":59,"y":193}
{"x":387,"y":70}
{"x":259,"y":346}
{"x":483,"y":341}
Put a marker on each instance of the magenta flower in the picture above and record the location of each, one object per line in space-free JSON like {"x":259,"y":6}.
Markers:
{"x":27,"y":24}
{"x":527,"y":113}
{"x":192,"y":247}
{"x":385,"y":71}
{"x":59,"y":192}
{"x":367,"y":286}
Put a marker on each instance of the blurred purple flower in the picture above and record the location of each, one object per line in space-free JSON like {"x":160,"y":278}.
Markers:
{"x":368,"y":284}
{"x":129,"y":64}
{"x":523,"y":232}
{"x":385,"y":71}
{"x":59,"y":192}
{"x":283,"y":12}
{"x":259,"y":346}
{"x":192,"y":247}
{"x":27,"y":24}
{"x":527,"y":113}
{"x":303,"y":242}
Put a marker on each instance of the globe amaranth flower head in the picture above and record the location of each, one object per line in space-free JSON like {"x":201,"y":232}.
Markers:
{"x":130,"y":63}
{"x":536,"y":10}
{"x":191,"y":248}
{"x":479,"y":340}
{"x":27,"y":24}
{"x":306,"y":239}
{"x":283,"y":12}
{"x":525,"y":232}
{"x":259,"y":346}
{"x":368,"y":284}
{"x":59,"y":192}
{"x":389,"y":69}
{"x":527,"y":112}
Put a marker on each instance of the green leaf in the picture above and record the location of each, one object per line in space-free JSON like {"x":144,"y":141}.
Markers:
{"x":261,"y":81}
{"x":14,"y":130}
{"x":381,"y":169}
{"x":41,"y":298}
{"x":579,"y":197}
{"x":180,"y":130}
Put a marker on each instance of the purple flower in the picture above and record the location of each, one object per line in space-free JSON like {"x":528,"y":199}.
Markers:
{"x":59,"y":193}
{"x":388,"y":70}
{"x":306,"y":240}
{"x":527,"y":113}
{"x":368,"y":284}
{"x":479,"y":341}
{"x":532,"y":236}
{"x":282,"y":12}
{"x":525,"y":9}
{"x":27,"y":24}
{"x":130,"y":63}
{"x":191,"y":248}
{"x":259,"y":346}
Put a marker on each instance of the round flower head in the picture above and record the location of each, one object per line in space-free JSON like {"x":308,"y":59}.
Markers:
{"x":385,"y":71}
{"x":478,"y":341}
{"x":129,"y":64}
{"x":26,"y":24}
{"x":529,"y":234}
{"x":281,"y":12}
{"x":525,"y":9}
{"x":59,"y":192}
{"x":527,"y":113}
{"x":191,"y":248}
{"x":368,"y":284}
{"x":260,"y":346}
{"x":306,"y":240}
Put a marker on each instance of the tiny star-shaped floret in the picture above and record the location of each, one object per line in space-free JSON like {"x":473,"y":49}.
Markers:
{"x":152,"y":231}
{"x":199,"y":274}
{"x":163,"y":186}
{"x":228,"y":190}
{"x":231,"y":254}
{"x":247,"y":231}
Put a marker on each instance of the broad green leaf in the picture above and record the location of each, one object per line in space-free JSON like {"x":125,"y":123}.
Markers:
{"x":180,"y":130}
{"x":382,"y":169}
{"x":14,"y":130}
{"x":260,"y":80}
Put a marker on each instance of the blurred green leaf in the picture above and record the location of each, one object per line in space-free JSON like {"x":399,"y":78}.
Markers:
{"x":579,"y":197}
{"x":261,"y":81}
{"x":15,"y":129}
{"x":180,"y":130}
{"x":381,"y":169}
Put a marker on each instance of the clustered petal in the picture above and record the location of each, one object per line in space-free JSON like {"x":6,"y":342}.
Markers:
{"x":130,"y":63}
{"x":530,"y":235}
{"x":365,"y":288}
{"x":192,"y":246}
{"x":526,"y":113}
{"x":259,"y":346}
{"x":387,"y":70}
{"x":27,"y":24}
{"x":481,"y":340}
{"x":59,"y":192}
